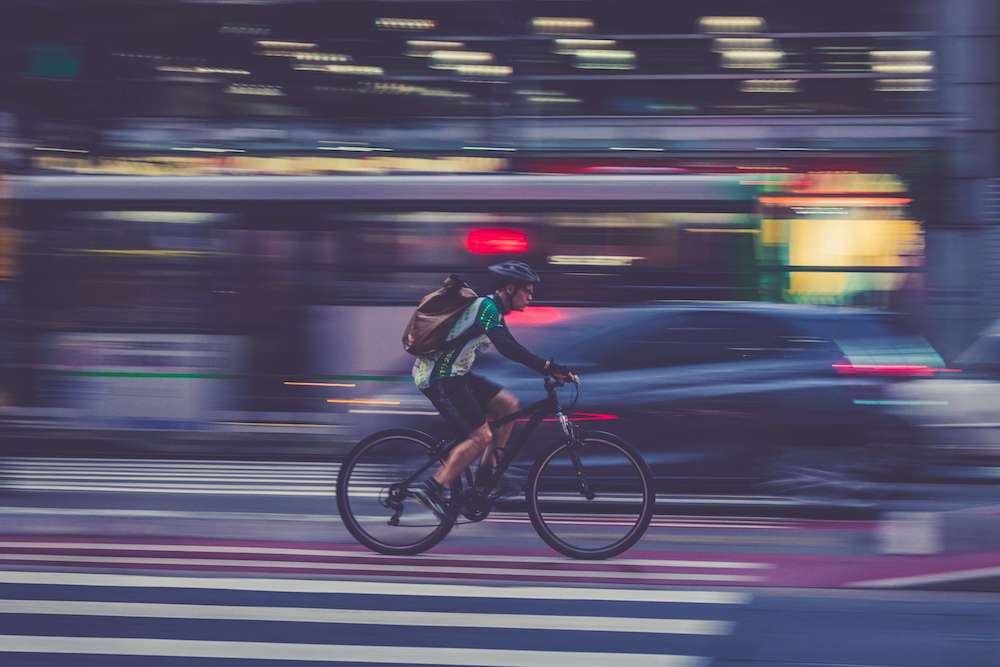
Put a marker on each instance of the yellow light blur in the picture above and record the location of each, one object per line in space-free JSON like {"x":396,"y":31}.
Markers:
{"x":202,"y":70}
{"x":552,"y":99}
{"x":770,"y":86}
{"x":462,"y":56}
{"x":356,"y":149}
{"x":361,"y":401}
{"x":206,"y":149}
{"x":311,"y":56}
{"x":320,"y":384}
{"x":391,"y":23}
{"x":142,"y":252}
{"x":569,"y":46}
{"x":604,"y":59}
{"x":592,"y":260}
{"x":484,"y":70}
{"x":908,"y":56}
{"x":753,"y":58}
{"x":278,"y":44}
{"x":558,"y":24}
{"x":422,"y":48}
{"x":903,"y":68}
{"x":365,"y":70}
{"x":731,"y":24}
{"x":839,"y":182}
{"x":904,"y":85}
{"x":247,"y":89}
{"x":856,"y":242}
{"x":208,"y":164}
{"x":605,"y":54}
{"x":703,"y":230}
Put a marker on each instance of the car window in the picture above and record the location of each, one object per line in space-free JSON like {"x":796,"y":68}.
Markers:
{"x":866,"y":339}
{"x":699,"y":337}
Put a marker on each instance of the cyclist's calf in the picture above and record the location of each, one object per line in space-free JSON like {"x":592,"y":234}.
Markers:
{"x":464,"y":454}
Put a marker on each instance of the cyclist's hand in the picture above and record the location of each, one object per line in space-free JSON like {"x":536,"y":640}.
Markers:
{"x":561,"y":374}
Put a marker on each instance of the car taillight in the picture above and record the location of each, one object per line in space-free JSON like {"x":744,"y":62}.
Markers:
{"x":891,"y":370}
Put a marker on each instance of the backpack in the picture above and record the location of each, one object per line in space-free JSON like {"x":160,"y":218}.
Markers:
{"x":434,"y":318}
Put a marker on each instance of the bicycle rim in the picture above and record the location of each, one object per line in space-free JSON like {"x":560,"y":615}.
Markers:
{"x":612,"y":520}
{"x":364,"y":490}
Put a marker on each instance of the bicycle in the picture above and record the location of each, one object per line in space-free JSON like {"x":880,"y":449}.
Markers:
{"x":581,"y":487}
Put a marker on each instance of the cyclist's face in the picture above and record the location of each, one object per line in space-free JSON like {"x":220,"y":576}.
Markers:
{"x":521,"y":297}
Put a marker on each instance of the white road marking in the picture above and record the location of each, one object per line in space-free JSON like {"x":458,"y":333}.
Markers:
{"x":377,"y":568}
{"x":374,"y":588}
{"x":671,"y":626}
{"x":187,"y":648}
{"x":937,"y":577}
{"x":292,"y":551}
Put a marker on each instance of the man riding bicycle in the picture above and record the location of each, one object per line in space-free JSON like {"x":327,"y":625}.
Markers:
{"x":467,"y":400}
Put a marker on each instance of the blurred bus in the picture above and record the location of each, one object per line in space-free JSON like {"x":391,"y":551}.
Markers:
{"x":193,"y":277}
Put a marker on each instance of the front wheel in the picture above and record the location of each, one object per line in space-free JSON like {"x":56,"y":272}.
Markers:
{"x":591,"y":497}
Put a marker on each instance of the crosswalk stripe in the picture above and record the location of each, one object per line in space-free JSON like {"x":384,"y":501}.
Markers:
{"x":380,"y":569}
{"x":671,"y":626}
{"x":291,"y":551}
{"x":734,"y":523}
{"x":375,"y":588}
{"x":336,"y":652}
{"x":213,"y":490}
{"x":168,"y":462}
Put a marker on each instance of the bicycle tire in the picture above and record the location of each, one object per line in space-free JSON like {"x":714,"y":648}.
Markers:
{"x":347,"y":515}
{"x":645,"y":514}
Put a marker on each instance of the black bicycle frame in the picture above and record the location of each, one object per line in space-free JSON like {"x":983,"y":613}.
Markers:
{"x":538,"y":411}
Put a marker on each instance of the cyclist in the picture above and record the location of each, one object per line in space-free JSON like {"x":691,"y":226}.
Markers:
{"x":467,"y":400}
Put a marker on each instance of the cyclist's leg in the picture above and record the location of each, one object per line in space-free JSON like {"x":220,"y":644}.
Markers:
{"x":455,"y":401}
{"x":463,"y":455}
{"x":503,"y":404}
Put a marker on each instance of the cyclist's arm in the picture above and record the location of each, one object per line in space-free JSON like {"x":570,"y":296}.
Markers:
{"x":505,"y":344}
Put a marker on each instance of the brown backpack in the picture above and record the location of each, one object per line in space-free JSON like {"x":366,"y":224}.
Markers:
{"x":434,"y":318}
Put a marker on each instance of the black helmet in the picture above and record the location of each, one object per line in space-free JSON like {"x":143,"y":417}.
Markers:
{"x":515,"y":271}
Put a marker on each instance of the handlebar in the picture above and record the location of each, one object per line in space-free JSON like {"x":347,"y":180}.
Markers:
{"x":552,"y":383}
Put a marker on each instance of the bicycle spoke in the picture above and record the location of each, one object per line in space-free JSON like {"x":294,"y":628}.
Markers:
{"x":375,"y":502}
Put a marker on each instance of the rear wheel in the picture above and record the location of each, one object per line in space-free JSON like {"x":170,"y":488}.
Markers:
{"x":593,"y":498}
{"x":374,"y":501}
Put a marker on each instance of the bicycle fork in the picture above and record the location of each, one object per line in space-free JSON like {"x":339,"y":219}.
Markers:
{"x":574,"y":455}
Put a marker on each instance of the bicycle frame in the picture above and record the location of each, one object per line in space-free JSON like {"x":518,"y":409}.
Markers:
{"x":539,"y":410}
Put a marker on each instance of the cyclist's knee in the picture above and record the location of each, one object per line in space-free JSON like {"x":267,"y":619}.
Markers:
{"x":482,"y":436}
{"x":505,"y":403}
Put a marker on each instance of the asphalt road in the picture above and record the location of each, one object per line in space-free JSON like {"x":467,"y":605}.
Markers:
{"x":110,"y":562}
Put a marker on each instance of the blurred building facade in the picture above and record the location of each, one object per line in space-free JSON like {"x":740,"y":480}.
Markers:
{"x":964,"y":244}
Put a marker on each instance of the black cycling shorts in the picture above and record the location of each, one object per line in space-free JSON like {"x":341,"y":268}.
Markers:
{"x":463,"y":401}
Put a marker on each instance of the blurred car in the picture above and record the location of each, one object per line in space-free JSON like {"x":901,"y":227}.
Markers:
{"x":956,"y":416}
{"x":727,"y":396}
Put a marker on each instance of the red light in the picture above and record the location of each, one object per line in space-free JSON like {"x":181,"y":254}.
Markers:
{"x":886,"y":369}
{"x":578,"y":417}
{"x":592,"y":417}
{"x":494,"y":240}
{"x":534,"y":316}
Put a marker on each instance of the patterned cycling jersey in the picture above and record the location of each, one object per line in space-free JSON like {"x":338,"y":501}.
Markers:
{"x":480,"y":316}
